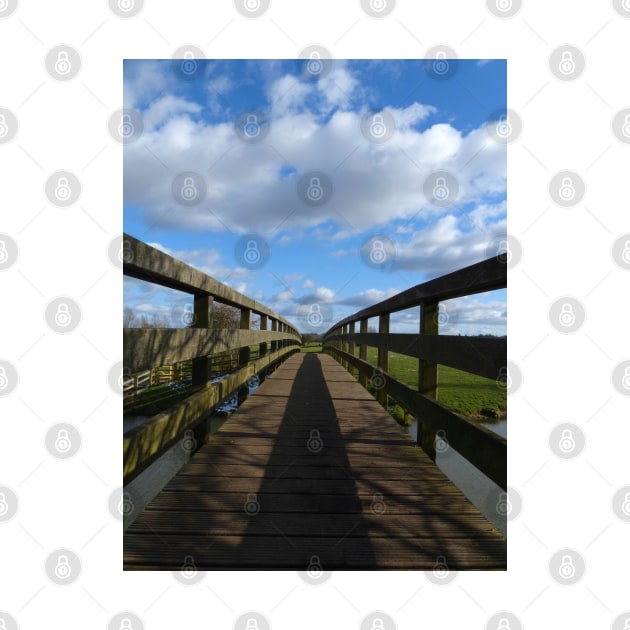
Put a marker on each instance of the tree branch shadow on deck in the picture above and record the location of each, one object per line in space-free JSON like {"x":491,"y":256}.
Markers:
{"x":312,"y":506}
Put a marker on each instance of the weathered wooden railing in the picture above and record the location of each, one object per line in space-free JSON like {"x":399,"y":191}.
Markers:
{"x":145,"y":348}
{"x":484,"y":356}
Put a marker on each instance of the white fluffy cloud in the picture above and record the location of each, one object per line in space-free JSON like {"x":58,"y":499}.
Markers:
{"x":255,"y":187}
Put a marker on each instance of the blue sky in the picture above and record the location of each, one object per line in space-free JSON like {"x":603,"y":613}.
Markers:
{"x":376,"y":227}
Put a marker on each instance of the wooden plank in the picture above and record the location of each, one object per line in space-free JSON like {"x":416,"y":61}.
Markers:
{"x":359,"y":503}
{"x":480,"y":446}
{"x":326,"y":525}
{"x":146,"y":348}
{"x":483,"y":356}
{"x":280,"y":552}
{"x":145,"y":443}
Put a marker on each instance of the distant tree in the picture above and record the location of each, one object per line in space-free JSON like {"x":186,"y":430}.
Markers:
{"x":130,"y":319}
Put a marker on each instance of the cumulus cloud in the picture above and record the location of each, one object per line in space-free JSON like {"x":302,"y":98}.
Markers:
{"x":255,"y":187}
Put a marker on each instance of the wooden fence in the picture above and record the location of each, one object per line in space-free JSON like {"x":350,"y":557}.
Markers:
{"x":145,"y":349}
{"x":484,"y":356}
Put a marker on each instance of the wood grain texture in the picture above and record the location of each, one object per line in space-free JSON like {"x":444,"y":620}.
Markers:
{"x":311,"y":465}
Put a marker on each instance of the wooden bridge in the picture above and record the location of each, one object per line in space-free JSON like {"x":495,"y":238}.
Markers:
{"x":310,"y":470}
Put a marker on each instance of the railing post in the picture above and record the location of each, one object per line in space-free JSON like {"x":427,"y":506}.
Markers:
{"x":274,"y":328}
{"x":344,"y":345}
{"x":351,"y":346}
{"x":262,"y":348}
{"x":246,"y":324}
{"x":201,"y":366}
{"x":363,"y":328}
{"x":427,"y":375}
{"x":383,"y":356}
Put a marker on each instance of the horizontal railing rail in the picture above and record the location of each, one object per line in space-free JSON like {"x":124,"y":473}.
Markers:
{"x":482,"y":356}
{"x":149,"y":348}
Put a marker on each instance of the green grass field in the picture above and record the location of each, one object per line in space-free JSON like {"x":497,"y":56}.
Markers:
{"x":462,"y":392}
{"x":311,"y":346}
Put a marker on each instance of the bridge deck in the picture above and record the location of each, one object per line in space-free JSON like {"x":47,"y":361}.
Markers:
{"x":256,"y":497}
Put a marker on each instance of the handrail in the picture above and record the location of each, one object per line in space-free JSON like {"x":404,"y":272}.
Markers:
{"x":483,"y":356}
{"x":483,"y":276}
{"x":144,"y":262}
{"x":145,"y":348}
